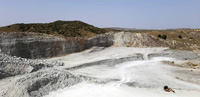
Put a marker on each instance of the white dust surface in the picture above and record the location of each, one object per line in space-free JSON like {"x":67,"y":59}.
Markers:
{"x":142,"y":78}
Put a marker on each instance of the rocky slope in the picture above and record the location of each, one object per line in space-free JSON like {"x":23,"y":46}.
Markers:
{"x":127,"y":39}
{"x":11,"y":66}
{"x":38,"y":83}
{"x":130,"y":39}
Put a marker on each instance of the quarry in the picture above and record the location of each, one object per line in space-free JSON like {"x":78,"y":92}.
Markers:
{"x":99,"y":48}
{"x":114,"y":64}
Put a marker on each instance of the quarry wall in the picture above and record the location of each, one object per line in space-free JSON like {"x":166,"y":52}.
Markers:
{"x":34,"y":45}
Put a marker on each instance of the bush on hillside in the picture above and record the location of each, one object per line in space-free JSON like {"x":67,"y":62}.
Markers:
{"x":180,"y":36}
{"x":164,"y":37}
{"x":159,"y":36}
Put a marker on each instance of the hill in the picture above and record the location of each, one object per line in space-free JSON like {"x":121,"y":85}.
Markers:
{"x":65,"y":28}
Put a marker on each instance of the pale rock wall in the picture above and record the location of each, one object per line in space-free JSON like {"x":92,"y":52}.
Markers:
{"x":33,"y":46}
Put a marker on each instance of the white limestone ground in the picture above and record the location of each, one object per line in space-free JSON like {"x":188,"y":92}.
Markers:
{"x":98,"y":53}
{"x":141,"y":78}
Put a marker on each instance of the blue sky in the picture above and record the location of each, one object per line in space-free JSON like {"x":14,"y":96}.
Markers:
{"x":149,"y":14}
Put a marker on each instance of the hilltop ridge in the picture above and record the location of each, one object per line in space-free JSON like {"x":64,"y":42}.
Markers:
{"x":65,"y":28}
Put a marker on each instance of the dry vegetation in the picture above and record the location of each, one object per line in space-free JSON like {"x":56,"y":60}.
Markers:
{"x":65,"y":28}
{"x":183,"y":37}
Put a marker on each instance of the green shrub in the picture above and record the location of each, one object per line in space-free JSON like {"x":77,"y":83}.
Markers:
{"x":159,"y":36}
{"x":180,"y":36}
{"x":164,"y":37}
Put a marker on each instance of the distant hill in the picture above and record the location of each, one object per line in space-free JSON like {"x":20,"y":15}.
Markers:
{"x":65,"y":28}
{"x":121,"y":29}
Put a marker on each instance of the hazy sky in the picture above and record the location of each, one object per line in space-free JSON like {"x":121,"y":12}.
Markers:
{"x":150,"y":14}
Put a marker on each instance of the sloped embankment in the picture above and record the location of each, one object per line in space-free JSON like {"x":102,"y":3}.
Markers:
{"x":128,"y":39}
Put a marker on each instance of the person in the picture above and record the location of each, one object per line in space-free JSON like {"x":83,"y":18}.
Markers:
{"x":167,"y":89}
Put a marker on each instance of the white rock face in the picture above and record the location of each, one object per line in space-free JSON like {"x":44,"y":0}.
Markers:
{"x":34,"y":46}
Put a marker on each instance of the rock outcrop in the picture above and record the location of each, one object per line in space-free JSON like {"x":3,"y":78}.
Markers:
{"x":34,"y":45}
{"x":11,"y":66}
{"x":38,"y":83}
